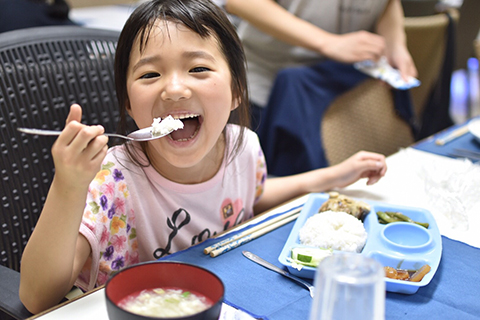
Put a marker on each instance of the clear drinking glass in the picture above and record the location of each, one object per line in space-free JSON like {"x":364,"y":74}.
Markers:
{"x":349,"y":286}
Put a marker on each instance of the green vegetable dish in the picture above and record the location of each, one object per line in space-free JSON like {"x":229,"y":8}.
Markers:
{"x":385,"y":217}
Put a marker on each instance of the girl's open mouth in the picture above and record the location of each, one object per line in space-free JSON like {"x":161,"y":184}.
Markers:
{"x":191,"y":125}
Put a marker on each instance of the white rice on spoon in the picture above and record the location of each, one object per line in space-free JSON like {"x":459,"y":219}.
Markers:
{"x":165,"y":126}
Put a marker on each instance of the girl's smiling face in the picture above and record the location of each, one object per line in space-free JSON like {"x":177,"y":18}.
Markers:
{"x":179,"y":73}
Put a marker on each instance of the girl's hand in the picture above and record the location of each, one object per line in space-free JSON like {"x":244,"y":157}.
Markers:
{"x":363,"y":164}
{"x":79,"y":151}
{"x":354,"y":47}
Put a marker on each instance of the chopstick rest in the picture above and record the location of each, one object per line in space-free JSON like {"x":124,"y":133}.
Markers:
{"x":252,"y":233}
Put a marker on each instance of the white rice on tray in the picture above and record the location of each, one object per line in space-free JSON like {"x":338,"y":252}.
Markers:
{"x":334,"y":229}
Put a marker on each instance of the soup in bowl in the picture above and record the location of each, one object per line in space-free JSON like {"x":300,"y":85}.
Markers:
{"x":164,"y":290}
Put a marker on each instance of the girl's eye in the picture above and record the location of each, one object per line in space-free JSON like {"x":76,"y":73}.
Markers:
{"x":200,"y":69}
{"x":150,"y":75}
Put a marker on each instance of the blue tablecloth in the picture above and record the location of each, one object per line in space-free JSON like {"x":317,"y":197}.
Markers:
{"x":466,"y":142}
{"x":452,"y":294}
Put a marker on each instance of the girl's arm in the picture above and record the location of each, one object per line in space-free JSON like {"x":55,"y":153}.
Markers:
{"x":391,"y":27}
{"x":286,"y":27}
{"x":56,"y":252}
{"x":361,"y":165}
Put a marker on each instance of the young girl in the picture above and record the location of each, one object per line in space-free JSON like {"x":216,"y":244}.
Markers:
{"x":179,"y":58}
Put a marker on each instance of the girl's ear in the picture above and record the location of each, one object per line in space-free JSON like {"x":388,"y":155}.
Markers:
{"x":128,"y":108}
{"x":235,"y":103}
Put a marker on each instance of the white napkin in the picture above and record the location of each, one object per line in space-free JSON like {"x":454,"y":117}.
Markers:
{"x":230,"y":313}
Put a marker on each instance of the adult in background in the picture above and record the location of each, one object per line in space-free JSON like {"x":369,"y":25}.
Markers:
{"x":310,"y":46}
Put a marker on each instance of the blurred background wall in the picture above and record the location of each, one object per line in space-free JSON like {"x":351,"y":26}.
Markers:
{"x":91,"y":3}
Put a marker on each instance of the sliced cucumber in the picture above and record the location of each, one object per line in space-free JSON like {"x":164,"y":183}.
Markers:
{"x":310,"y":257}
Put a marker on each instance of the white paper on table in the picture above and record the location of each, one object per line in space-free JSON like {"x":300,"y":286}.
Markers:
{"x":93,"y":306}
{"x":231,"y":313}
{"x":446,"y":187}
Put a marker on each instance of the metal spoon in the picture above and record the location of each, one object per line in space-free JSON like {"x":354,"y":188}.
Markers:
{"x":272,"y":267}
{"x":144,"y":134}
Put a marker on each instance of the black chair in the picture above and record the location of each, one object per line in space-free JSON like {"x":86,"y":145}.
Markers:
{"x":42,"y":72}
{"x":431,"y":41}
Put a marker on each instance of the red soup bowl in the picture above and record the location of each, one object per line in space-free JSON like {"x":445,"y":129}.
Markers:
{"x":164,"y":274}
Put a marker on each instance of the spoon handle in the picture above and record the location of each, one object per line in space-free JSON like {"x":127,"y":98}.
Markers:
{"x":263,"y":262}
{"x":273,"y":267}
{"x":40,"y":132}
{"x":45,"y":132}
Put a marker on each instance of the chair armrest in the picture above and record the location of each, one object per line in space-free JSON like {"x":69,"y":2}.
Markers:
{"x":9,"y":299}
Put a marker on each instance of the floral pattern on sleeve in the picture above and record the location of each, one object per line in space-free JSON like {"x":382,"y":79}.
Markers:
{"x":110,"y":218}
{"x":261,"y":175}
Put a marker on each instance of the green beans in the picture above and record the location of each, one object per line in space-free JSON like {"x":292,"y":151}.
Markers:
{"x":385,"y":217}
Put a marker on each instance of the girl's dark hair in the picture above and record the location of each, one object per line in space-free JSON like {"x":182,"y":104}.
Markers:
{"x":202,"y":17}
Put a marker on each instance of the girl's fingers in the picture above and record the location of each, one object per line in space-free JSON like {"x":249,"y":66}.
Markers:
{"x":75,"y":114}
{"x":372,"y":160}
{"x":96,"y":148}
{"x":375,"y":175}
{"x":72,"y":126}
{"x":79,"y":150}
{"x":69,"y":133}
{"x":372,"y":180}
{"x":78,"y":144}
{"x":75,"y":134}
{"x":373,"y":169}
{"x":100,"y":154}
{"x":85,"y":136}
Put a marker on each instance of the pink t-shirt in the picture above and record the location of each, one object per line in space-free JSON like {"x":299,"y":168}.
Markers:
{"x":134,"y":214}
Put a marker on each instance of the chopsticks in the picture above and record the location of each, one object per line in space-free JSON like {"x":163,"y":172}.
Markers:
{"x":252,"y":233}
{"x":457,"y":133}
{"x":465,"y":153}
